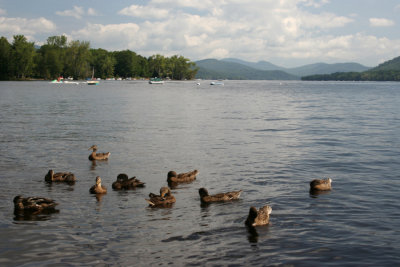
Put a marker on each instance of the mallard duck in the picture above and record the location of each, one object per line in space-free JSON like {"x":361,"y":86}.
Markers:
{"x":98,"y":188}
{"x":68,"y":177}
{"x":97,"y":156}
{"x":321,"y":185}
{"x":206,"y":198}
{"x":173,"y":177}
{"x":258,"y":217}
{"x":34,"y":204}
{"x":123,"y":182}
{"x":164,"y":199}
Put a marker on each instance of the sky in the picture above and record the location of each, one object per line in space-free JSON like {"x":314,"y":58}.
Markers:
{"x":287,"y":33}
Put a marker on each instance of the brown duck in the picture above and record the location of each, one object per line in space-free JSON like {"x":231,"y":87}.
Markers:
{"x":97,"y":156}
{"x":186,"y":177}
{"x":206,"y":198}
{"x":123,"y":182}
{"x":68,"y":177}
{"x":258,"y":217}
{"x":164,"y":199}
{"x":34,"y":204}
{"x":98,"y":188}
{"x":321,"y":185}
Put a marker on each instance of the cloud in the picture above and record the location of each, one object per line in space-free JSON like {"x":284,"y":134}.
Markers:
{"x":2,"y":12}
{"x":77,"y":12}
{"x":144,"y":12}
{"x":28,"y":27}
{"x":380,"y":22}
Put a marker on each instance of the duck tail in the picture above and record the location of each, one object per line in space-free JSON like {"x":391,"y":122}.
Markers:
{"x":150,"y":202}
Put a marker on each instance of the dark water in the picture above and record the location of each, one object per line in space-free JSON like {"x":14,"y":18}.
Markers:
{"x":268,"y":138}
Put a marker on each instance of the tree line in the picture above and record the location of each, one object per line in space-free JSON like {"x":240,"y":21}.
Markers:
{"x":381,"y":75}
{"x":22,"y":60}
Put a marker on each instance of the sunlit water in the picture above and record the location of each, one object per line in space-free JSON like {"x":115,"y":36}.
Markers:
{"x":269,"y":139}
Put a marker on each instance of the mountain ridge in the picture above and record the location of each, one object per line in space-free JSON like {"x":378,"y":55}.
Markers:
{"x":233,"y":68}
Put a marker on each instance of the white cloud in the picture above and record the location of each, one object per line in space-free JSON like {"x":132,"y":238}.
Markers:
{"x":144,"y":12}
{"x":29,"y":27}
{"x":92,"y":12}
{"x":380,"y":22}
{"x":77,"y":12}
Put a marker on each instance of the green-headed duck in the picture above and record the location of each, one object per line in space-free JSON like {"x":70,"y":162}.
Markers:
{"x":164,"y":199}
{"x":34,"y":204}
{"x":98,"y":188}
{"x":186,"y":177}
{"x":321,"y":185}
{"x":97,"y":156}
{"x":68,"y":177}
{"x":258,"y":217}
{"x":206,"y":198}
{"x":123,"y":182}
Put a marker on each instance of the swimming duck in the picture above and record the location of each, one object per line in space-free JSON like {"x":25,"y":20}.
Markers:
{"x":206,"y":198}
{"x":98,"y":188}
{"x":164,"y":199}
{"x":123,"y":182}
{"x":321,"y":185}
{"x":68,"y":177}
{"x":34,"y":204}
{"x":97,"y":156}
{"x":258,"y":217}
{"x":173,"y":177}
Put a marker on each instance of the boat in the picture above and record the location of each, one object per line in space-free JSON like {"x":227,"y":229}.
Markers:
{"x":216,"y":83}
{"x":156,"y":81}
{"x":92,"y":81}
{"x":61,"y":80}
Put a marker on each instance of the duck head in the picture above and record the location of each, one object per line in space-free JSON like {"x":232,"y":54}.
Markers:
{"x":203,"y":192}
{"x":98,"y":181}
{"x":94,"y":148}
{"x":122,"y":177}
{"x":172,"y":174}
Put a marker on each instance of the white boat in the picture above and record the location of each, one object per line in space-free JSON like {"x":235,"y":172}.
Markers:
{"x":93,"y":81}
{"x":156,"y":81}
{"x":216,"y":83}
{"x":61,"y":80}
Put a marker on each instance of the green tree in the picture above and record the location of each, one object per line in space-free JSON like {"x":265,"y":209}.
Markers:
{"x":77,"y":60}
{"x":22,"y":56}
{"x":157,"y":66}
{"x":5,"y":53}
{"x":103,"y":63}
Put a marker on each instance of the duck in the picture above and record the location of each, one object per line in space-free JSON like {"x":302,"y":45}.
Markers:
{"x":186,"y":177}
{"x":98,"y":188}
{"x":258,"y":217}
{"x":164,"y":199}
{"x":123,"y":182}
{"x":206,"y":198}
{"x":98,"y":156}
{"x":52,"y":176}
{"x":34,"y":204}
{"x":321,"y":185}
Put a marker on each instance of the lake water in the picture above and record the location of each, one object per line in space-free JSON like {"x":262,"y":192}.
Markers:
{"x":268,"y":138}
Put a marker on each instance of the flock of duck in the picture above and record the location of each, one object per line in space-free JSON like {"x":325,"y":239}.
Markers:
{"x":256,"y":217}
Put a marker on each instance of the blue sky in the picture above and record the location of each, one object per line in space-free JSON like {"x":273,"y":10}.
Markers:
{"x":284,"y":32}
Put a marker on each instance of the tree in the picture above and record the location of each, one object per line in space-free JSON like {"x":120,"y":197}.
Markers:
{"x":5,"y":53}
{"x":103,"y":63}
{"x":22,"y":55}
{"x":77,"y":58}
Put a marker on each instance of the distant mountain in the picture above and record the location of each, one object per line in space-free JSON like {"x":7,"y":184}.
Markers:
{"x":232,"y":68}
{"x":387,"y":71}
{"x":393,"y":64}
{"x":260,"y":65}
{"x":219,"y":69}
{"x":324,"y":68}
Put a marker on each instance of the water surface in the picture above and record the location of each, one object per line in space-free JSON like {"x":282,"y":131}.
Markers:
{"x":269,"y":139}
